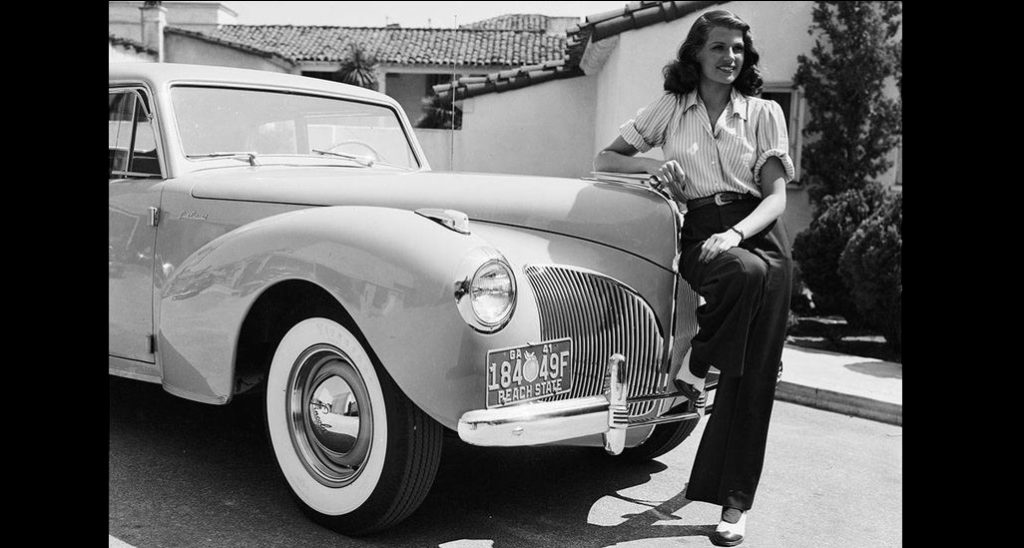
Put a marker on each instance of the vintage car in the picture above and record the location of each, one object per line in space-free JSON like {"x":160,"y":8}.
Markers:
{"x":283,"y":238}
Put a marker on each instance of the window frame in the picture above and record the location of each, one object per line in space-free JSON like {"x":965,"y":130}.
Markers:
{"x":795,"y":124}
{"x":415,"y":147}
{"x":141,"y":99}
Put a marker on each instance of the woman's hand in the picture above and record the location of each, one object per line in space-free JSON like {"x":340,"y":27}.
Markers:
{"x":671,"y":176}
{"x":718,"y":244}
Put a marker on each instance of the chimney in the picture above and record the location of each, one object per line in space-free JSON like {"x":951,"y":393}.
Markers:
{"x":154,"y":19}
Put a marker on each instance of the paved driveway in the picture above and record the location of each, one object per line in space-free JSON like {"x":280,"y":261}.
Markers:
{"x":187,"y":474}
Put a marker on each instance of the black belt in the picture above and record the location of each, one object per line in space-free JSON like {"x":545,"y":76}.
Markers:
{"x":720,"y":199}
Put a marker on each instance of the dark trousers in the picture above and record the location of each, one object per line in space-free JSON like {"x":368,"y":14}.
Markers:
{"x":741,"y":331}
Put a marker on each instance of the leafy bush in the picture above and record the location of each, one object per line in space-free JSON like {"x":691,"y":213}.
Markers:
{"x":818,"y":248}
{"x":871,"y":266}
{"x":800,"y":297}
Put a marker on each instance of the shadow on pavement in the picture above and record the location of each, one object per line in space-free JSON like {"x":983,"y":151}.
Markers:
{"x":184,"y":473}
{"x":885,"y":370}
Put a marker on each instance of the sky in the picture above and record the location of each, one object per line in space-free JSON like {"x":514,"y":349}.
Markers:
{"x":420,"y":14}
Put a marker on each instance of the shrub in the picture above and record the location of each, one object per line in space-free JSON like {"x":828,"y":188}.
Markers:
{"x":818,"y":248}
{"x":438,"y":113}
{"x":871,"y":266}
{"x":792,"y":324}
{"x":800,"y":298}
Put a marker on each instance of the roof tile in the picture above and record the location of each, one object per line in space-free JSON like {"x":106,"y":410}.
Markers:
{"x":442,"y":46}
{"x":511,"y":21}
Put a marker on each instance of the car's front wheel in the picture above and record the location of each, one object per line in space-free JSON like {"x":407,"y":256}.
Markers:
{"x":356,"y":453}
{"x":664,"y":438}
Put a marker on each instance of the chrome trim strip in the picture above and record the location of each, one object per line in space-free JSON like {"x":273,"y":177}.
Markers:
{"x":155,"y":379}
{"x":666,"y":418}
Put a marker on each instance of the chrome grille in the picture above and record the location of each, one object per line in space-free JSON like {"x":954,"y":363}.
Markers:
{"x":602,"y":317}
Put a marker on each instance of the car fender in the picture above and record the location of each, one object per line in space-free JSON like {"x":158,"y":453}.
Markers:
{"x":392,"y":270}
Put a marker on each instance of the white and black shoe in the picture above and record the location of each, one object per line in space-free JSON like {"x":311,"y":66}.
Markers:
{"x":730,"y":534}
{"x":689,"y":384}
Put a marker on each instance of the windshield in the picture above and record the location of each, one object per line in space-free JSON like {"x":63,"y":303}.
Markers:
{"x":217,"y":122}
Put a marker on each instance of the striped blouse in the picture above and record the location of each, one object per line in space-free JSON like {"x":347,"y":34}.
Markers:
{"x":750,"y":131}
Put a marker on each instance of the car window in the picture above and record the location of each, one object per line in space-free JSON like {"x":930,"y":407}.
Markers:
{"x":132,"y":140}
{"x":214,"y":121}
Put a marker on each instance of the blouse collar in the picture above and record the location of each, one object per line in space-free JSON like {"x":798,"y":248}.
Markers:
{"x":737,"y":102}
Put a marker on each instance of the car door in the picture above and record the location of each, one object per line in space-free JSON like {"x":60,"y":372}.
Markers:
{"x":135,"y":180}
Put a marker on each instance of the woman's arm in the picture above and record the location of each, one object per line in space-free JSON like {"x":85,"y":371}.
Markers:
{"x":773,"y":204}
{"x":619,"y":157}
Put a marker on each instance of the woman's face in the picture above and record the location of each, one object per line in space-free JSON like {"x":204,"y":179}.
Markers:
{"x":721,"y":58}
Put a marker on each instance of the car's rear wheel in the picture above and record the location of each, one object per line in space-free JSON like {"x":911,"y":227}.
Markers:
{"x":357,"y":455}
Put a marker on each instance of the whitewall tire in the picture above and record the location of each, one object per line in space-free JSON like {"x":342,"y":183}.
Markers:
{"x":357,"y":455}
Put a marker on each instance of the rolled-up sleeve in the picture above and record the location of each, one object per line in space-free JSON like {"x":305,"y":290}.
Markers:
{"x":772,"y":140}
{"x":647,"y":129}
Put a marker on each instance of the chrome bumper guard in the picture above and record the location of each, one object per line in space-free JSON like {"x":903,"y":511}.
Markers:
{"x":547,"y":422}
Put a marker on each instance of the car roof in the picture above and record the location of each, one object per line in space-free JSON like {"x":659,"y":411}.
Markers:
{"x":160,"y":75}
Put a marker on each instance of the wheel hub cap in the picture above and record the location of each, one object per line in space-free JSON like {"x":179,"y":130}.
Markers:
{"x":331,"y":424}
{"x":334,"y":413}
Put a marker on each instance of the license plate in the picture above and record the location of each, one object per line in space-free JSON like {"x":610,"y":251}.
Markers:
{"x":529,"y":372}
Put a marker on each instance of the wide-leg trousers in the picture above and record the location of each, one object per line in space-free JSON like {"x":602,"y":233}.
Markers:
{"x":741,"y":330}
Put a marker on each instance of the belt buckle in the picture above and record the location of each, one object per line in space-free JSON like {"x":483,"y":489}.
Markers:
{"x":718,"y":200}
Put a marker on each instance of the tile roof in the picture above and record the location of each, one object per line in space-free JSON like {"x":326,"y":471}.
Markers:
{"x":633,"y":15}
{"x":128,"y":42}
{"x":437,"y":46}
{"x":511,"y":21}
{"x":508,"y":79}
{"x":209,"y":37}
{"x":637,"y":15}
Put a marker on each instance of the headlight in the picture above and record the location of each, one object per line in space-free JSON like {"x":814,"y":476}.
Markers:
{"x":485,"y":290}
{"x":492,"y":292}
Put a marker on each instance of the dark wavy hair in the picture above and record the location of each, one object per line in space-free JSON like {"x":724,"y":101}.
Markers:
{"x":683,"y":74}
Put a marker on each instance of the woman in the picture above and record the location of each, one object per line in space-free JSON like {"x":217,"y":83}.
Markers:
{"x":727,"y":160}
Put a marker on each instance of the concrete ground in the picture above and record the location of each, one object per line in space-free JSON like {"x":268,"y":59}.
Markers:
{"x":852,"y":385}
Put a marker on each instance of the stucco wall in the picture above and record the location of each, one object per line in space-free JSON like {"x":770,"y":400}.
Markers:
{"x":126,"y":30}
{"x":124,"y":17}
{"x":539,"y":130}
{"x":185,"y":49}
{"x":437,"y":145}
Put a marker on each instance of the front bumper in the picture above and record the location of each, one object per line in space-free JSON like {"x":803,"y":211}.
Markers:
{"x":547,"y":422}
